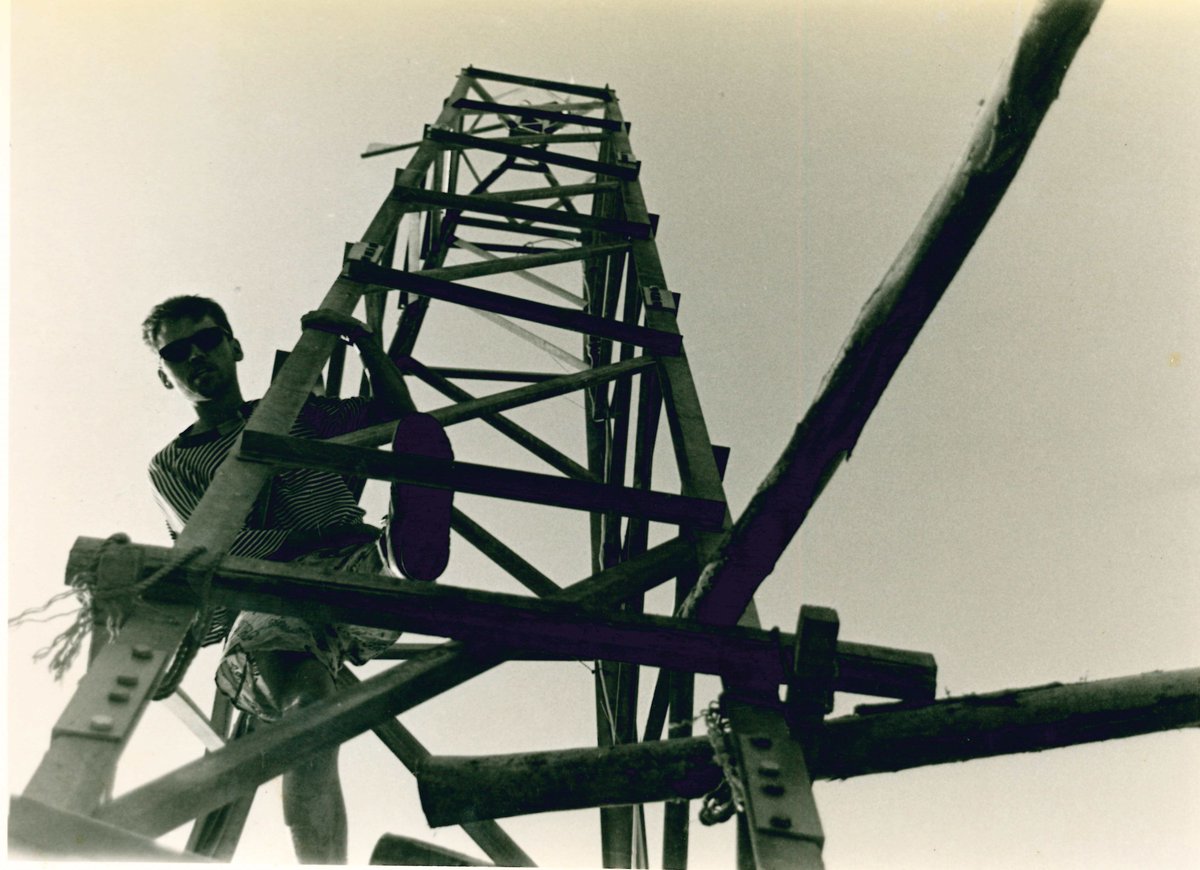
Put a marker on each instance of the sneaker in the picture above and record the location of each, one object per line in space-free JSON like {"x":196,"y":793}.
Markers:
{"x":418,"y":533}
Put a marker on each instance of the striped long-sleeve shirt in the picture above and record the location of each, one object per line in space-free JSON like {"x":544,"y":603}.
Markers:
{"x":296,"y":499}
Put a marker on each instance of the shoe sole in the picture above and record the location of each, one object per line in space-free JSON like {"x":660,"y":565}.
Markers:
{"x":419,"y":524}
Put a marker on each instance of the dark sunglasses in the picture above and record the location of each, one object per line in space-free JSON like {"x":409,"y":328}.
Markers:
{"x":180,"y":349}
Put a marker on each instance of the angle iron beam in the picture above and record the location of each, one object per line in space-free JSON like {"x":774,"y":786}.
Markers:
{"x":510,"y":208}
{"x":656,"y":341}
{"x":283,"y":451}
{"x":552,"y":191}
{"x":554,"y":138}
{"x":513,"y":226}
{"x":545,"y":84}
{"x":520,"y":263}
{"x":450,"y":139}
{"x":403,"y":744}
{"x":171,"y":800}
{"x":563,"y":116}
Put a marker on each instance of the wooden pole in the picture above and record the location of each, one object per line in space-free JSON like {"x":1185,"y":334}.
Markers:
{"x":899,"y":307}
{"x":888,"y":738}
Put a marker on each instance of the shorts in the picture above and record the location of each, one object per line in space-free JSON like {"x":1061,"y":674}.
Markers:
{"x":331,"y":644}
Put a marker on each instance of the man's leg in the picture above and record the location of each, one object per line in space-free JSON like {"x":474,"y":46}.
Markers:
{"x":313,"y":806}
{"x":417,"y":537}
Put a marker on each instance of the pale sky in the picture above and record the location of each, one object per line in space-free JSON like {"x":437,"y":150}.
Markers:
{"x":1023,"y":504}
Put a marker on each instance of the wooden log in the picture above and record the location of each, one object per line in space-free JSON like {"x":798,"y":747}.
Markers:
{"x":896,"y":311}
{"x":888,"y":738}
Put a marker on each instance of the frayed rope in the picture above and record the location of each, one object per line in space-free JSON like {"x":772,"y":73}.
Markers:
{"x":110,"y":603}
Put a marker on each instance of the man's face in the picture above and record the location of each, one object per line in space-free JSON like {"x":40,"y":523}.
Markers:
{"x":202,"y":364}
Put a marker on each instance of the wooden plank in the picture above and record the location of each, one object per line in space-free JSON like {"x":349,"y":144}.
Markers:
{"x":171,"y":800}
{"x":449,"y":139}
{"x":654,"y":340}
{"x":898,"y":308}
{"x":515,"y":398}
{"x":546,"y":84}
{"x":43,"y":833}
{"x":520,"y":262}
{"x":886,"y":739}
{"x":282,"y":451}
{"x":562,"y":116}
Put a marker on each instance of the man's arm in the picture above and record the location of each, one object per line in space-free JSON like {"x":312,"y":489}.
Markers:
{"x":385,"y":377}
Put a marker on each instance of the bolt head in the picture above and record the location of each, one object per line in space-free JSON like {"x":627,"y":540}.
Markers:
{"x":127,"y":680}
{"x":118,"y":696}
{"x":101,"y":723}
{"x":141,"y":651}
{"x":774,"y":789}
{"x":781,"y":822}
{"x":760,"y":742}
{"x":769,"y":769}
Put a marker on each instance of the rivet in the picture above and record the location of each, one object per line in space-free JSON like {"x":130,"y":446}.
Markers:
{"x":782,"y":822}
{"x":101,"y":723}
{"x":768,"y":769}
{"x":774,"y":789}
{"x":141,"y":651}
{"x":760,"y":742}
{"x":129,"y":680}
{"x":118,"y":696}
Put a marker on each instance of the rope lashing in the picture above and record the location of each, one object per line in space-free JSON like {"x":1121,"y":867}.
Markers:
{"x":729,"y":797}
{"x":109,"y":602}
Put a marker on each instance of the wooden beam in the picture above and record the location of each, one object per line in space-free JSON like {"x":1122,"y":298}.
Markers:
{"x":888,"y":738}
{"x":216,"y":779}
{"x":897,"y":310}
{"x":37,"y":832}
{"x":521,"y":262}
{"x":282,"y":451}
{"x":654,"y":340}
{"x":449,"y":139}
{"x":562,"y":116}
{"x":545,"y":84}
{"x":515,"y":210}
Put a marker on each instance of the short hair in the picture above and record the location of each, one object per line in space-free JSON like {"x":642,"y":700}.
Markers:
{"x":179,"y":308}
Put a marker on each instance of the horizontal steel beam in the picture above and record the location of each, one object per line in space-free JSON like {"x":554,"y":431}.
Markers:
{"x":544,"y":84}
{"x":655,"y":341}
{"x":562,"y":116}
{"x":664,"y":507}
{"x":450,"y":139}
{"x":507,"y":208}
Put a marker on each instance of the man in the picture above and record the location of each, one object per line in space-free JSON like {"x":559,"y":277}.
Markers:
{"x":273,"y":664}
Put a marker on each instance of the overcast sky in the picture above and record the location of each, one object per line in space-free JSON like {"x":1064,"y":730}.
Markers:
{"x":1023,"y":504}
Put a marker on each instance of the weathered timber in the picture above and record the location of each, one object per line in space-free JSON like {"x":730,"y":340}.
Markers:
{"x":546,"y":84}
{"x":897,"y":310}
{"x":283,"y":451}
{"x":449,"y":139}
{"x":212,"y":781}
{"x":523,"y":627}
{"x":507,"y":208}
{"x":37,"y":832}
{"x":560,"y":115}
{"x":520,"y":262}
{"x":892,"y":738}
{"x":654,"y":340}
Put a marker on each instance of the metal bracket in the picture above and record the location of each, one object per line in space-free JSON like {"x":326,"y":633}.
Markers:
{"x":815,"y":668}
{"x":658,"y":298}
{"x":783,"y":827}
{"x":107,"y":709}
